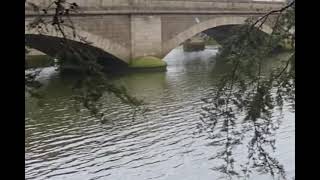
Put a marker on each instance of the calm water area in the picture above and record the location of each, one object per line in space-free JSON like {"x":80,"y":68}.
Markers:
{"x":163,"y":144}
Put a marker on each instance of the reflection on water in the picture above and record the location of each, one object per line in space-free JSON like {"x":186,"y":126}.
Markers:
{"x":163,"y":144}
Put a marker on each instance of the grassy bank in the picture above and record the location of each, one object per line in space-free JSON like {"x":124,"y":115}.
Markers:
{"x":189,"y":47}
{"x":37,"y":61}
{"x":211,"y":42}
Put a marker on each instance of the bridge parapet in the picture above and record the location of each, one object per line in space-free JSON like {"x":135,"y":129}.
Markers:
{"x":167,"y":6}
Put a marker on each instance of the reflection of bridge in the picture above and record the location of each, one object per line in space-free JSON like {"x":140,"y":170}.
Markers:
{"x":128,"y":29}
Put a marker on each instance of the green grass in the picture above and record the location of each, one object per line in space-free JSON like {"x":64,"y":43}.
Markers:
{"x":147,"y":62}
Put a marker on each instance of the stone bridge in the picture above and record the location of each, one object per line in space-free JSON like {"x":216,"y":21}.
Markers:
{"x":128,"y":29}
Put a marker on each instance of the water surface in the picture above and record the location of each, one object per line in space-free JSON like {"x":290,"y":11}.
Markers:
{"x":164,"y":144}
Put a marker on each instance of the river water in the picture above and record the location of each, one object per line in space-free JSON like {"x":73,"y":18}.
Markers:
{"x":163,"y":144}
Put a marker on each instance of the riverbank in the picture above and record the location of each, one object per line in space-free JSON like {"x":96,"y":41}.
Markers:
{"x":39,"y":61}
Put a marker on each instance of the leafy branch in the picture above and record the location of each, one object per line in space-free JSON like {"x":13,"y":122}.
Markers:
{"x":94,"y":82}
{"x":246,"y":92}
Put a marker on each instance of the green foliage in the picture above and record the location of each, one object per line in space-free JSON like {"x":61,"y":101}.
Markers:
{"x":94,"y":82}
{"x":245,"y":93}
{"x":247,"y":96}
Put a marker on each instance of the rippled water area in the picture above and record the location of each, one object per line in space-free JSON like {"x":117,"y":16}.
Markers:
{"x":163,"y":144}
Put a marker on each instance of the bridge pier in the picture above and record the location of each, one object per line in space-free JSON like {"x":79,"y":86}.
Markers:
{"x":146,"y":41}
{"x":146,"y":36}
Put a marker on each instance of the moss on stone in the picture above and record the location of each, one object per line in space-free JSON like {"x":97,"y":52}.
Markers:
{"x":147,"y":62}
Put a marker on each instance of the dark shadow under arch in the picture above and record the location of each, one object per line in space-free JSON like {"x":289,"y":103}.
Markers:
{"x":222,"y":33}
{"x":177,"y":40}
{"x":54,"y":47}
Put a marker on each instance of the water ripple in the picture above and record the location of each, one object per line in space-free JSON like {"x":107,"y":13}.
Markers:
{"x":61,"y":144}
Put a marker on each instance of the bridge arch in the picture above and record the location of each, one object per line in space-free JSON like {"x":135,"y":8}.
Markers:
{"x":107,"y":46}
{"x":202,"y":26}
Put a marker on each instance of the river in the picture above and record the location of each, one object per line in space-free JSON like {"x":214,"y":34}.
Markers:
{"x":163,"y":144}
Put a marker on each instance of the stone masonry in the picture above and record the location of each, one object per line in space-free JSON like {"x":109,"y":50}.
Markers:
{"x":128,"y":29}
